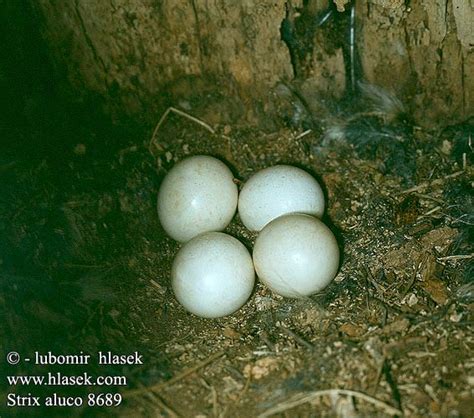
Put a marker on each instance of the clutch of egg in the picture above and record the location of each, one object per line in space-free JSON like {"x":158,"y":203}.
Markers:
{"x":295,"y":254}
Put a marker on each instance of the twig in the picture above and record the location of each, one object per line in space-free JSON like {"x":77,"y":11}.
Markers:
{"x":301,"y":399}
{"x":181,"y":113}
{"x":160,"y":288}
{"x":303,"y":134}
{"x":378,"y":376}
{"x":432,"y":183}
{"x":405,"y":291}
{"x":460,"y":219}
{"x":392,"y":384}
{"x":297,"y":338}
{"x":430,"y":212}
{"x":456,"y":257}
{"x":464,"y":154}
{"x":163,"y":405}
{"x":378,"y":287}
{"x":173,"y":380}
{"x":157,"y":400}
{"x":428,"y":197}
{"x":264,"y":337}
{"x":215,"y":405}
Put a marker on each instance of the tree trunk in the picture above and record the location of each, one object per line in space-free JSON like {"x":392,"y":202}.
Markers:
{"x":140,"y":56}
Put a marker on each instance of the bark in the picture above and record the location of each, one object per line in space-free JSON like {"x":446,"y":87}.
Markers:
{"x":425,"y":52}
{"x":139,"y":56}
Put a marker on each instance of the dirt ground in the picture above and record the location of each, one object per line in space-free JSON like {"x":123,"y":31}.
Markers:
{"x":86,"y":266}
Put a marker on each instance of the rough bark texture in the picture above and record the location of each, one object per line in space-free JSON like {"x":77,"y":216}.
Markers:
{"x":424,"y":51}
{"x":129,"y":53}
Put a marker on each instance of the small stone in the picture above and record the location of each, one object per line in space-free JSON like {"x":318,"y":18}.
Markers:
{"x":455,"y":317}
{"x":412,"y":300}
{"x":352,"y":330}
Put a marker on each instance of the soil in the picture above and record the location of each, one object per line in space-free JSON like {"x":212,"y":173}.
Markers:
{"x":86,"y":267}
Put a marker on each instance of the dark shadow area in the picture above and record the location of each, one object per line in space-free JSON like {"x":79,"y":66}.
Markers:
{"x":70,"y":237}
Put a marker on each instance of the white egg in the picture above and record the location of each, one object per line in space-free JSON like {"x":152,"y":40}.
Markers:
{"x":213,"y":275}
{"x":296,"y":255}
{"x":277,"y":191}
{"x":197,"y":195}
